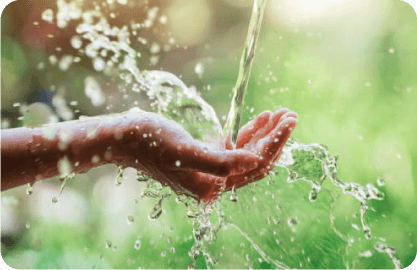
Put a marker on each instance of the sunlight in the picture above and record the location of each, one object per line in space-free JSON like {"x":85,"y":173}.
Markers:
{"x":300,"y":12}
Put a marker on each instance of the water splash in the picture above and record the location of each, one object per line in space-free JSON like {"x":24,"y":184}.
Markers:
{"x":111,"y":54}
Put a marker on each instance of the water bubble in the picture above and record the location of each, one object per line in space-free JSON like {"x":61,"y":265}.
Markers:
{"x":178,"y":163}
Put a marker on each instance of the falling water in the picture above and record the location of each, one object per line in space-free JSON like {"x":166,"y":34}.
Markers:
{"x":245,"y":66}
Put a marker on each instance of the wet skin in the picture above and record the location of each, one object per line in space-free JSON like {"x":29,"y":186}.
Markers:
{"x":150,"y":143}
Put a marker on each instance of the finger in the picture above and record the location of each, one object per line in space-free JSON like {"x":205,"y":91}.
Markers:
{"x":248,"y":130}
{"x":276,"y":139}
{"x":270,"y":148}
{"x":289,"y":114}
{"x":274,"y":120}
{"x":228,"y":142}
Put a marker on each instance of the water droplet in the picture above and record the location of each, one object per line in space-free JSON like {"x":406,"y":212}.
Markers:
{"x":130,"y":219}
{"x":163,"y":19}
{"x":95,"y":159}
{"x":199,"y":69}
{"x":99,"y":64}
{"x":27,"y":225}
{"x":119,"y":176}
{"x":142,"y":177}
{"x":233,"y":195}
{"x":192,"y":211}
{"x":292,"y":221}
{"x":29,"y":189}
{"x":48,"y":15}
{"x":380,"y":181}
{"x":108,"y":244}
{"x":367,"y":232}
{"x":93,"y":91}
{"x":156,"y":211}
{"x":137,"y":244}
{"x":76,"y":42}
{"x":312,"y":196}
{"x":54,"y":199}
{"x":391,"y":50}
{"x":178,"y":163}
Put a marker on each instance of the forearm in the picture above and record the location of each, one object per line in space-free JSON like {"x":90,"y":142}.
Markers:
{"x":146,"y":141}
{"x":31,"y":154}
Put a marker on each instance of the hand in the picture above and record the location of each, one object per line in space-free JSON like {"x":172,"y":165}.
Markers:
{"x":259,"y":145}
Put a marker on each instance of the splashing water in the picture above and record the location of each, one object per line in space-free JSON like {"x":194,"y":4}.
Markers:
{"x":293,"y":219}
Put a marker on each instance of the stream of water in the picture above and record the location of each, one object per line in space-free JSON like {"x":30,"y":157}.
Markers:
{"x":249,"y":47}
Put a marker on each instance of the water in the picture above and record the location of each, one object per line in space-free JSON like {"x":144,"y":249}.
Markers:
{"x":233,"y":119}
{"x":292,"y":219}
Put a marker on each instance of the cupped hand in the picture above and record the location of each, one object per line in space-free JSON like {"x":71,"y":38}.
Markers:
{"x":203,"y":171}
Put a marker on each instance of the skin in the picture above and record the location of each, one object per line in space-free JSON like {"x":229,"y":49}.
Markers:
{"x":149,"y":143}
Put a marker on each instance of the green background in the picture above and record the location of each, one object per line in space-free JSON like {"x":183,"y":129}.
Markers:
{"x":351,"y":79}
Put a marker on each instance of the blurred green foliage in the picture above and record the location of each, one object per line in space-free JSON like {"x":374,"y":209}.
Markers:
{"x":356,"y":95}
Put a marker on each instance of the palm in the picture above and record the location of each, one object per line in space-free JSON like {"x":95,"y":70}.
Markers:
{"x":261,"y":140}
